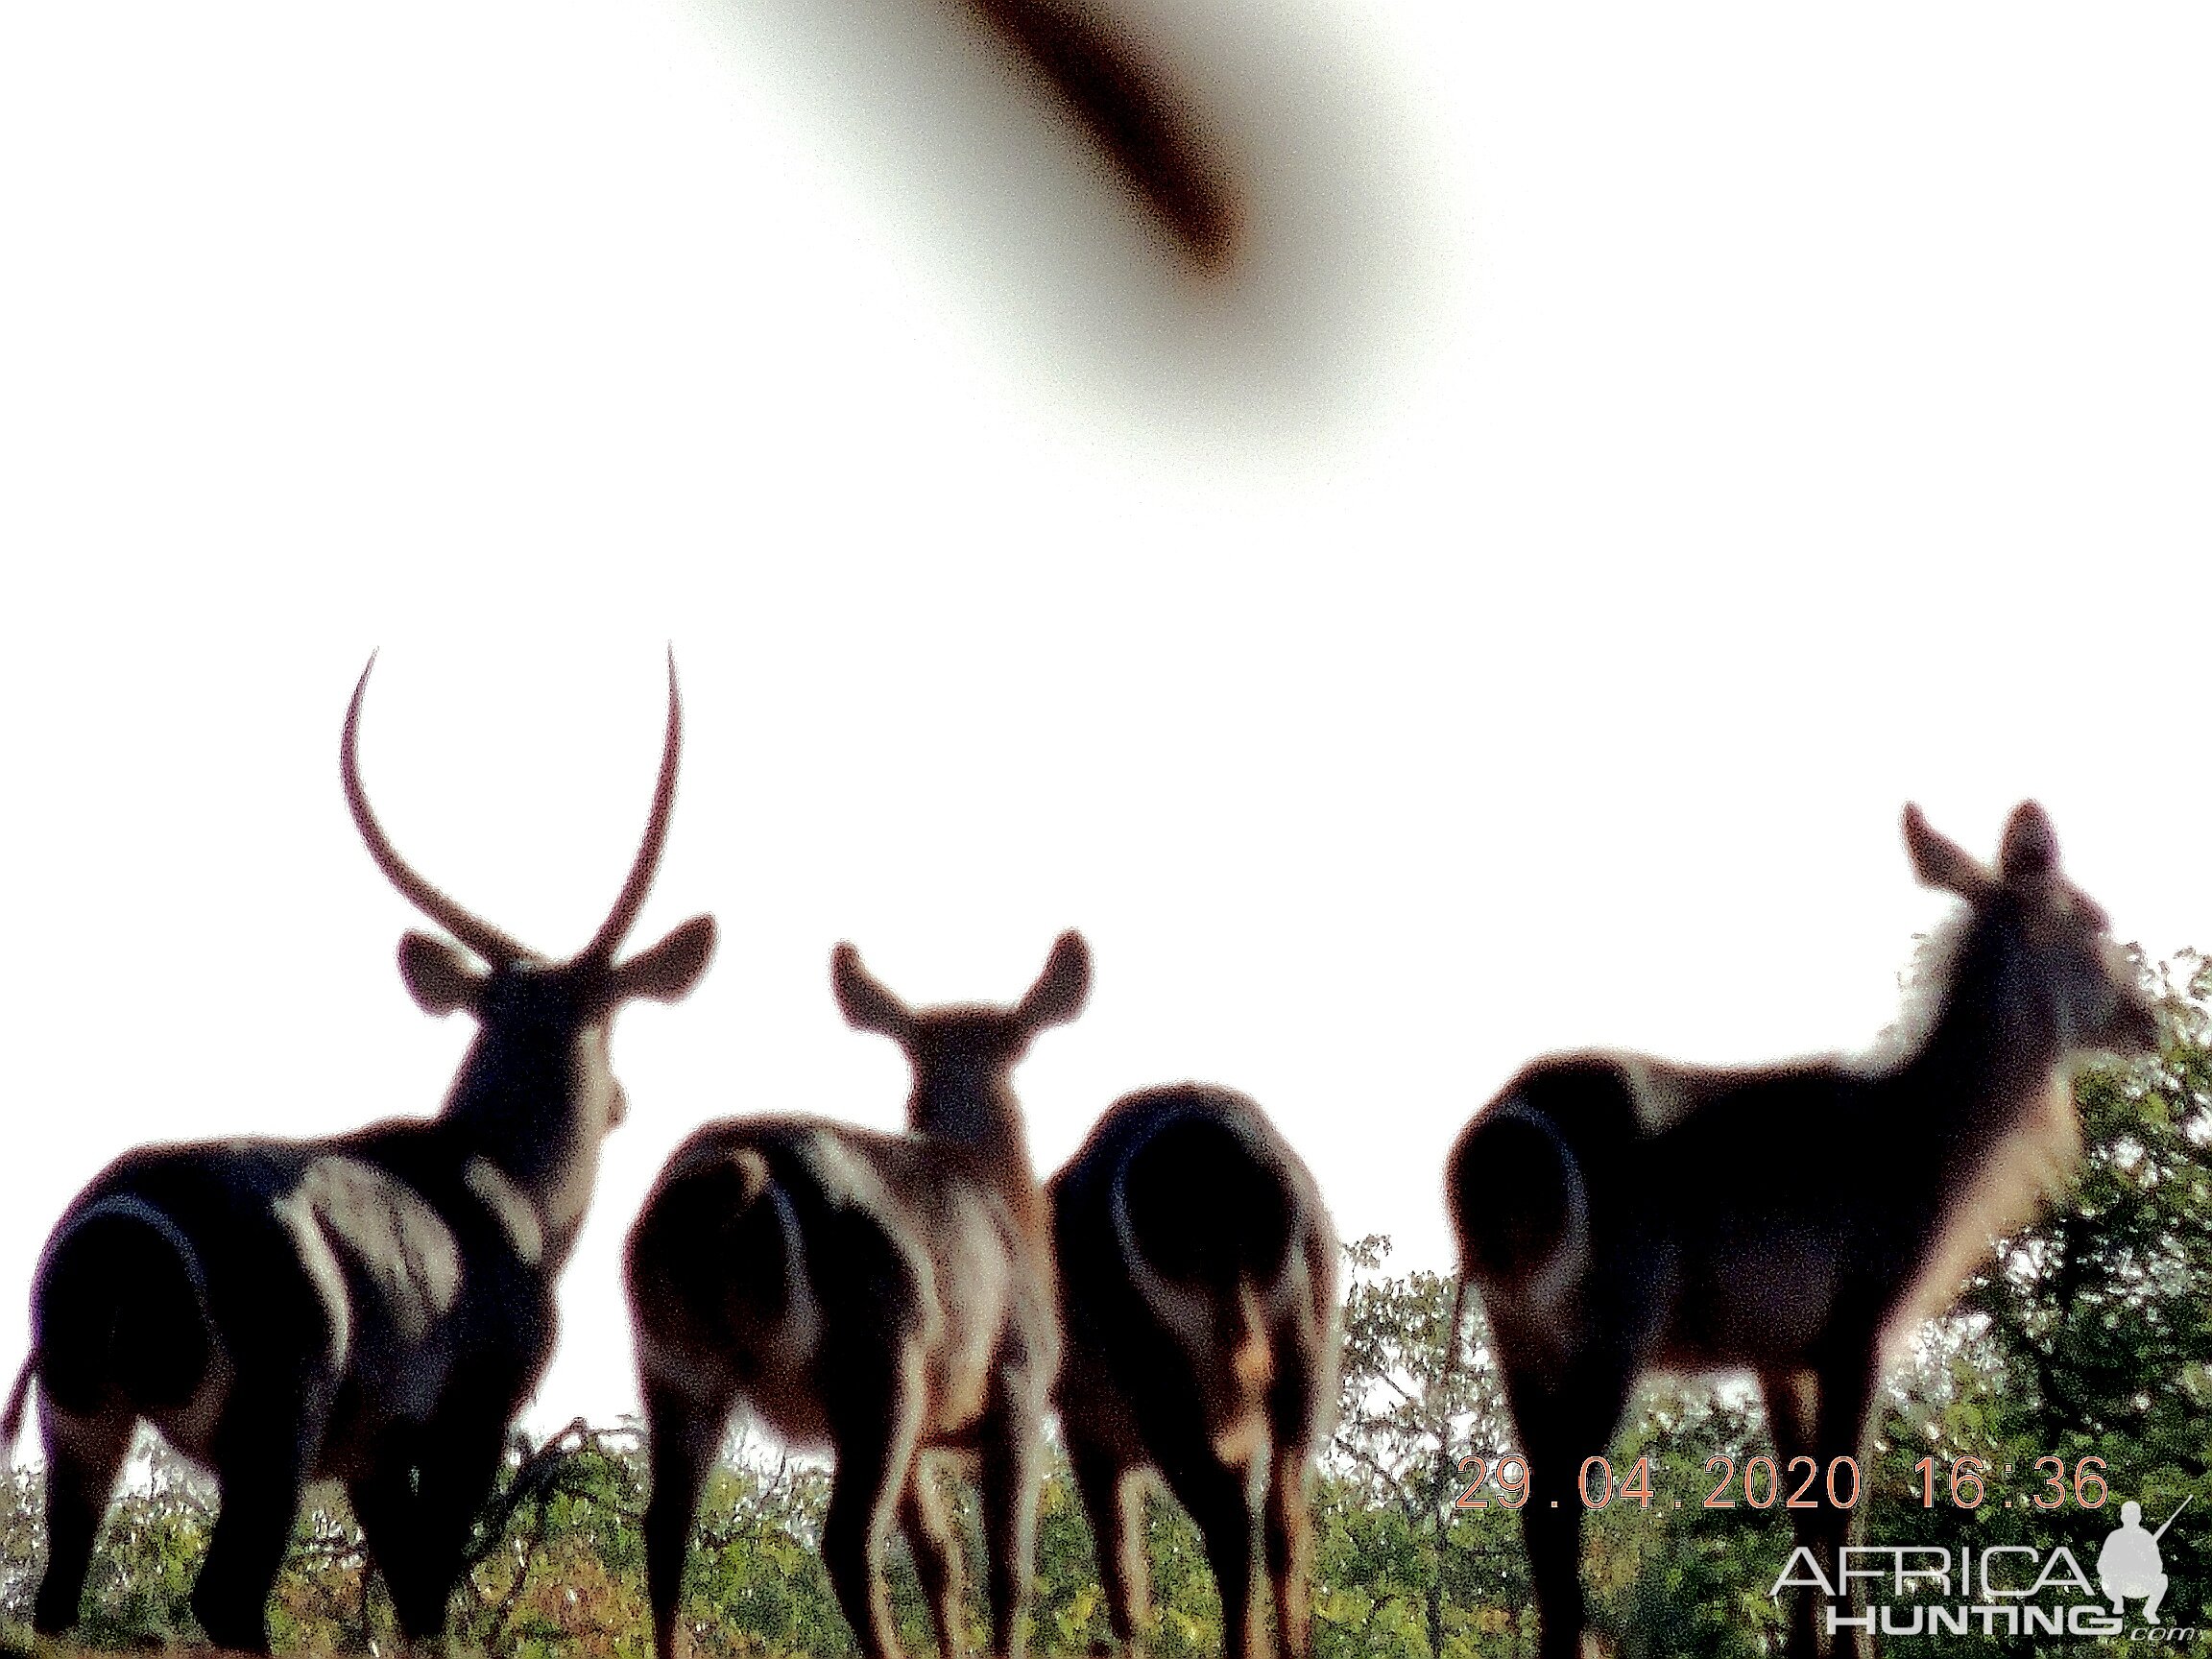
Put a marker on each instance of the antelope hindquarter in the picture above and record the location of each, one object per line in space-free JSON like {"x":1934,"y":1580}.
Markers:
{"x":1198,"y":1279}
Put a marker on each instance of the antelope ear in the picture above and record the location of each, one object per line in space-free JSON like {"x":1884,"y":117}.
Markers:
{"x":668,"y":971}
{"x":438,"y":976}
{"x":1940,"y":862}
{"x":1062,"y":988}
{"x":867,"y":1005}
{"x":2030,"y":848}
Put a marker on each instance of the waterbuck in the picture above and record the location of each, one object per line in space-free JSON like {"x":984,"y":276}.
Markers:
{"x":373,"y":1307}
{"x":1617,"y":1212}
{"x":886,"y":1296}
{"x":1198,"y":1281}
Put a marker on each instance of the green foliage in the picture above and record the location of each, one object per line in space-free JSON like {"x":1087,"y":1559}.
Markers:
{"x":1401,"y":1570}
{"x":756,"y":1583}
{"x":142,"y":1578}
{"x":2087,"y":1334}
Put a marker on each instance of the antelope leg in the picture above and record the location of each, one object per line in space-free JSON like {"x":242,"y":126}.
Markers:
{"x":1222,"y":1502}
{"x":260,"y":1465}
{"x":877,"y":1430}
{"x":1290,"y":1538}
{"x":1009,"y":1493}
{"x":459,"y":1468}
{"x":384,"y":1504}
{"x":1791,"y":1414}
{"x":1847,"y":1384}
{"x":936,"y":1559}
{"x":1114,"y":1499}
{"x":1564,"y":1418}
{"x":685,"y":1436}
{"x":84,"y":1456}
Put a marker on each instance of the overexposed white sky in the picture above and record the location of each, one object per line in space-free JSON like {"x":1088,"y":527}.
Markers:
{"x":1643,"y":450}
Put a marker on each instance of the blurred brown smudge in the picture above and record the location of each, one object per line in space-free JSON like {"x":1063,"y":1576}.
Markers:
{"x":1125,"y":105}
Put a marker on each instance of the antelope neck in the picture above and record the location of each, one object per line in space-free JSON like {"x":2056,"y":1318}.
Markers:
{"x":527,"y":1123}
{"x":986,"y":1120}
{"x":985,"y":1115}
{"x":1987,"y":1057}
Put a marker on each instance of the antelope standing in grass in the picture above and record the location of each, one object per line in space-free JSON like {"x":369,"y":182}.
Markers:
{"x":1619,"y":1212}
{"x":1198,"y":1279}
{"x":373,"y":1307}
{"x":886,"y":1296}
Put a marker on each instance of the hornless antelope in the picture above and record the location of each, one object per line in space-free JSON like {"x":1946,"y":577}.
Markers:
{"x":373,"y":1307}
{"x":1198,"y":1277}
{"x":883,"y":1295}
{"x":1618,"y":1212}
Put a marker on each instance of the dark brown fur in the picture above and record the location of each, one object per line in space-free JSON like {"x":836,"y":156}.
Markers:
{"x":1198,"y":1282}
{"x":371,"y":1308}
{"x":888,"y":1296}
{"x":1619,"y":1214}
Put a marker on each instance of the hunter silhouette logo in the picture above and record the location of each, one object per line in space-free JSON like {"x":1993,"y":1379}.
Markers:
{"x":2129,"y":1564}
{"x":1995,"y":1590}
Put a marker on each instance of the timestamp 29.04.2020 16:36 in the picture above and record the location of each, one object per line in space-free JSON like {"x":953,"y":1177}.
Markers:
{"x":1762,"y":1483}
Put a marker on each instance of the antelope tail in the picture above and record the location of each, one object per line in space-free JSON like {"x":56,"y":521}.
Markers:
{"x":11,"y":1419}
{"x":1251,"y":1357}
{"x":1453,"y":1326}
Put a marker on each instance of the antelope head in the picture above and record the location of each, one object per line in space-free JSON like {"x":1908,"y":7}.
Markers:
{"x":537,"y":1091}
{"x":2078,"y":988}
{"x":964,"y":1057}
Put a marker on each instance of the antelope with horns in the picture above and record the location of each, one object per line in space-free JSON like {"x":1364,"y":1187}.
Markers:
{"x":887,"y":1296}
{"x":1618,"y":1212}
{"x":1198,"y":1281}
{"x":371,"y":1308}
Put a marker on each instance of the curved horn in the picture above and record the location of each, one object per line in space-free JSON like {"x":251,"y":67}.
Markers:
{"x":633,"y":897}
{"x":480,"y":936}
